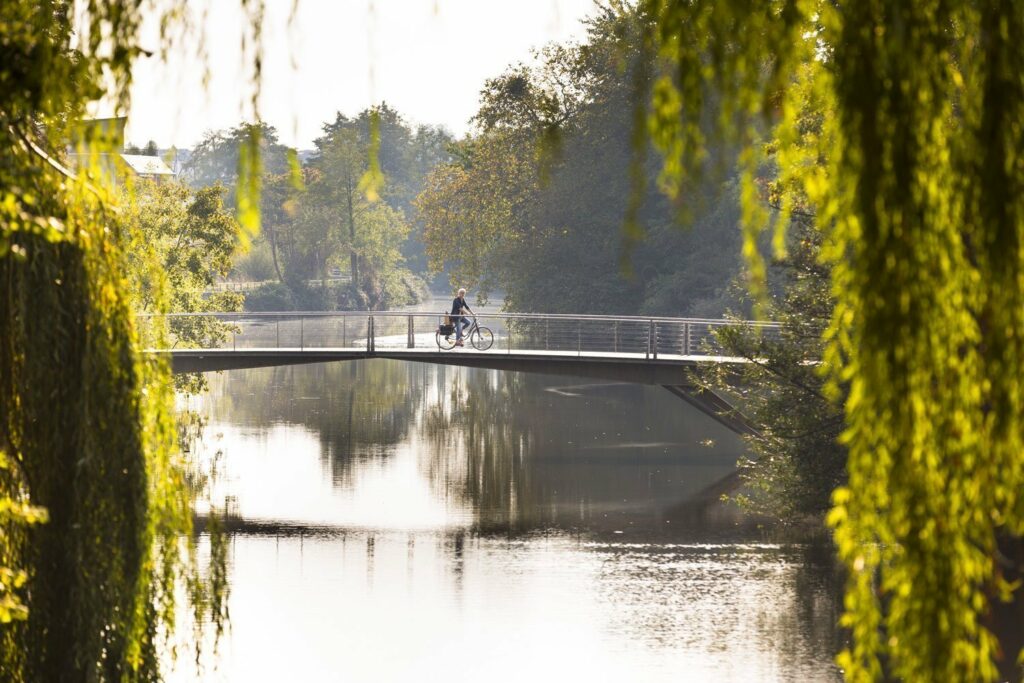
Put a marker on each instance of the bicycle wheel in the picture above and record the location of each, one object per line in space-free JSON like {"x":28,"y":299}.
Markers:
{"x":444,"y":343}
{"x":482,"y":338}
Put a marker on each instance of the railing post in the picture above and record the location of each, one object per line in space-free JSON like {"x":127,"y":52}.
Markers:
{"x":344,"y":331}
{"x":615,"y":328}
{"x":650,"y":338}
{"x":412,"y":336}
{"x":654,"y":339}
{"x":369,"y":334}
{"x":686,"y":339}
{"x":579,"y":338}
{"x":277,"y":332}
{"x":546,"y":323}
{"x":302,"y":334}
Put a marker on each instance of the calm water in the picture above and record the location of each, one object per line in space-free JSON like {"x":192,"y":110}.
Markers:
{"x":406,"y":522}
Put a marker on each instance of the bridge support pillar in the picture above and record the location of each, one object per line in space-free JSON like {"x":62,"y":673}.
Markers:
{"x":715,"y":407}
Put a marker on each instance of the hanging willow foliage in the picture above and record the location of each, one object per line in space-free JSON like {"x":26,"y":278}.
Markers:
{"x":917,"y":176}
{"x":94,"y":502}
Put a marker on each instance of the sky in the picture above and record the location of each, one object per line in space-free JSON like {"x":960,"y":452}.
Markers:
{"x":428,"y":59}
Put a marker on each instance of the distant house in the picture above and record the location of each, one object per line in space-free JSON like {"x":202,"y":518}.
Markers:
{"x":101,"y":141}
{"x":146,"y":166}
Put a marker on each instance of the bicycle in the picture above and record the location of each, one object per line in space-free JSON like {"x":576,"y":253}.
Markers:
{"x":480,"y":337}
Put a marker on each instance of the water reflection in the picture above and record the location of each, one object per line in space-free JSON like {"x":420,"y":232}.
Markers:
{"x":441,"y":447}
{"x":410,"y":522}
{"x":527,"y":452}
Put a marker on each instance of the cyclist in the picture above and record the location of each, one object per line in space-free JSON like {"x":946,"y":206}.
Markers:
{"x":459,"y":306}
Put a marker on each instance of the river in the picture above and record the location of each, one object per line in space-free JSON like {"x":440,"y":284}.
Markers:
{"x":405,"y":522}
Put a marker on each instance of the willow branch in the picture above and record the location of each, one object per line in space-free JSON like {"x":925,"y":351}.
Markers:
{"x":32,"y":147}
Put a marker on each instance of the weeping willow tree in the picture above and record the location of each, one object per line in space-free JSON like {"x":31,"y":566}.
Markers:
{"x":917,"y":179}
{"x":93,"y":497}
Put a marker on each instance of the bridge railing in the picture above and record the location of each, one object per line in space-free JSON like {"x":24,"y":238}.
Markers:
{"x":417,"y":331}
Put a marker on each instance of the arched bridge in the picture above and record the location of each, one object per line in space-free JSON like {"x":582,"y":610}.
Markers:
{"x":640,"y":350}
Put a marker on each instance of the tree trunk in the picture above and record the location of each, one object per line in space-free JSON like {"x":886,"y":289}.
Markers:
{"x":273,"y":254}
{"x":1006,"y":619}
{"x":354,"y":258}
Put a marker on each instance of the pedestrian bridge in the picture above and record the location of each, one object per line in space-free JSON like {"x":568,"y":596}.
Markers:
{"x":640,"y":350}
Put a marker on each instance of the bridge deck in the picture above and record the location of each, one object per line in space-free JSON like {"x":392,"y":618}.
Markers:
{"x":628,"y":367}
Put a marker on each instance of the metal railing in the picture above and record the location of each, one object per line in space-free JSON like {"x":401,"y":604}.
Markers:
{"x":376,"y":331}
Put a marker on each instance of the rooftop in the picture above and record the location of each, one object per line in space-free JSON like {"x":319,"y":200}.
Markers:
{"x":146,"y":165}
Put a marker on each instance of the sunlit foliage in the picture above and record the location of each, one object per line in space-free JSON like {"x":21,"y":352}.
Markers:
{"x":329,"y":246}
{"x":916,"y":177}
{"x":14,"y":512}
{"x":240,"y":158}
{"x":179,"y":241}
{"x":182,"y":240}
{"x":85,"y":418}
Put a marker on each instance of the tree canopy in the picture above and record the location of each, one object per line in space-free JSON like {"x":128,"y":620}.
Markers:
{"x":532,"y":204}
{"x":915,"y":179}
{"x":318,"y":216}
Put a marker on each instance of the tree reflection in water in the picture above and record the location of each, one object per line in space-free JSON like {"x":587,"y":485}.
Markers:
{"x":529,"y":452}
{"x":519,"y":452}
{"x":358,"y":410}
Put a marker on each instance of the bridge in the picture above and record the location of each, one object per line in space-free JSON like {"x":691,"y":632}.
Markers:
{"x":639,"y":350}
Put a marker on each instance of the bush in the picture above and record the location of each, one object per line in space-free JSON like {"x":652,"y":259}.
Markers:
{"x":272,"y":296}
{"x":403,"y":290}
{"x":255,"y":265}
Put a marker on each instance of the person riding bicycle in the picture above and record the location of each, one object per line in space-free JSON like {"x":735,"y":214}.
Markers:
{"x":459,"y":306}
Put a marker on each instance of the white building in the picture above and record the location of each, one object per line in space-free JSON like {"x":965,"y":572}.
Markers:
{"x":101,"y":141}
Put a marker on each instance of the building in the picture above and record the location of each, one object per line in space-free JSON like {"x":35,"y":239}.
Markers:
{"x":146,"y":166}
{"x":101,"y":141}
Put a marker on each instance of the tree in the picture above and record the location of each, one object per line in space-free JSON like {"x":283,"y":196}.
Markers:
{"x":543,"y":99}
{"x":342,"y":163}
{"x":217,"y":157}
{"x":431,"y":147}
{"x":796,"y":459}
{"x":533,"y":204}
{"x":306,"y":228}
{"x":400,"y":152}
{"x":337,"y":224}
{"x":181,"y":241}
{"x":278,"y":206}
{"x":149,"y":149}
{"x":85,"y":429}
{"x":382,"y":232}
{"x":916,"y":183}
{"x":474,"y":209}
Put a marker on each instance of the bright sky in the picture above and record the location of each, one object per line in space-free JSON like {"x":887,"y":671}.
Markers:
{"x":426,"y":58}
